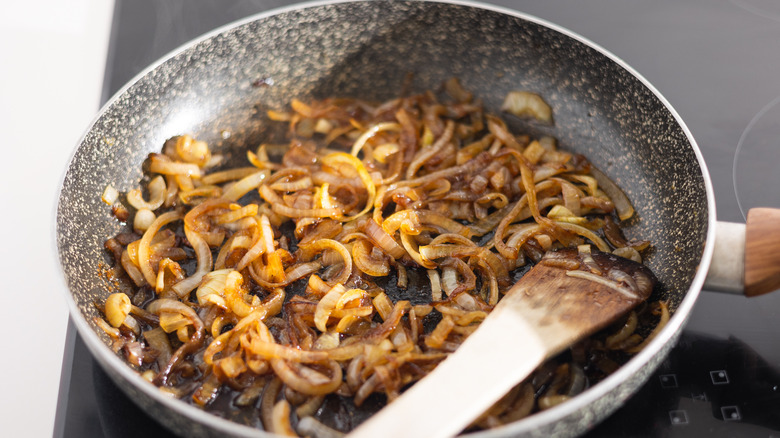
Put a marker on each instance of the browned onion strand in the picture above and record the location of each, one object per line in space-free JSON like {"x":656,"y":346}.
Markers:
{"x":359,"y":260}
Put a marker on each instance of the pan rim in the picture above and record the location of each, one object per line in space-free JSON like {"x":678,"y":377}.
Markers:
{"x":107,"y":359}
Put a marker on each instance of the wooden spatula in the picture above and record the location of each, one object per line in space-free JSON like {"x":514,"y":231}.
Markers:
{"x":568,"y":296}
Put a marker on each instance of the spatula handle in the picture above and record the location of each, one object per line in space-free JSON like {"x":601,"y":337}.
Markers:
{"x":445,"y":402}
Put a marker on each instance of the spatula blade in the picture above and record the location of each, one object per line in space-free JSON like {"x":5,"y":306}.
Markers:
{"x":565,"y":298}
{"x":566,"y":305}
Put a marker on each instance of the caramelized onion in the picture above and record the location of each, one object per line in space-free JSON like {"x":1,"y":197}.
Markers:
{"x":144,"y":250}
{"x":337,"y":158}
{"x":371,"y":132}
{"x":163,"y":165}
{"x":117,"y":308}
{"x":367,"y":262}
{"x":622,"y":204}
{"x":203,"y":257}
{"x":663,"y":312}
{"x":156,"y":195}
{"x":526,"y":104}
{"x":307,"y":380}
{"x":244,"y":185}
{"x":294,"y":295}
{"x":382,"y":239}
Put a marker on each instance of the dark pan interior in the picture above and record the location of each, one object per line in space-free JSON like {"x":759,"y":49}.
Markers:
{"x":219,"y":89}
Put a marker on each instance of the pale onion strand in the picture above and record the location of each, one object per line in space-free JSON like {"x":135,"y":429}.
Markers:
{"x":144,"y":251}
{"x":335,"y":158}
{"x":307,"y":253}
{"x":203,"y":255}
{"x":372,"y":131}
{"x":258,"y":248}
{"x":245,"y":185}
{"x":156,"y":189}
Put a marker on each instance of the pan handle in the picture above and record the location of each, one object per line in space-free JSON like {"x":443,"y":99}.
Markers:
{"x":746,"y":258}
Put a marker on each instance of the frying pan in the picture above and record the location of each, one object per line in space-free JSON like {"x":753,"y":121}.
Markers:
{"x":219,"y":86}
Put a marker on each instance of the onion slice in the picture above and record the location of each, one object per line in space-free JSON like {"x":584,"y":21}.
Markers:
{"x":622,"y":204}
{"x":144,"y":250}
{"x":382,"y":239}
{"x":372,"y":131}
{"x":337,"y":158}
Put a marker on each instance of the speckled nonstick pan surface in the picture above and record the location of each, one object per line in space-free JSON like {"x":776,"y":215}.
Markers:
{"x":211,"y":88}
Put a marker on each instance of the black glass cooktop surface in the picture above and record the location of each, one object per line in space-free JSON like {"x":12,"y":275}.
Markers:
{"x":716,"y":61}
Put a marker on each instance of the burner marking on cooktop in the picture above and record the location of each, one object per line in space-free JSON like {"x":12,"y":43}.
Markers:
{"x":668,"y":381}
{"x":719,"y":377}
{"x":757,"y":10}
{"x":731,"y":413}
{"x":752,"y":151}
{"x":699,"y":397}
{"x":678,"y":417}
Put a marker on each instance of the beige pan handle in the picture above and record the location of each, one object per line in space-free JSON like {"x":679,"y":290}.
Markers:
{"x":746,"y":259}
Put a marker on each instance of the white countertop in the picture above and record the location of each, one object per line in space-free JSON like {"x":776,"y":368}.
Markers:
{"x":52,"y":57}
